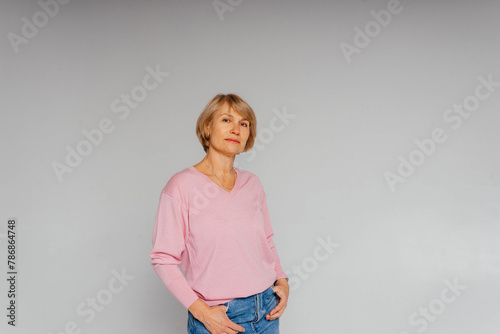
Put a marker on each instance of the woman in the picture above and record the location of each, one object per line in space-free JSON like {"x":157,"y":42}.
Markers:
{"x":213,"y":222}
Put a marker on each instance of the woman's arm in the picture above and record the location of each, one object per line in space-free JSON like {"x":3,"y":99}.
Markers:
{"x":169,"y":239}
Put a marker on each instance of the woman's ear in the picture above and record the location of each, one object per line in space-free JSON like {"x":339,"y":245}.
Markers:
{"x":207,"y":129}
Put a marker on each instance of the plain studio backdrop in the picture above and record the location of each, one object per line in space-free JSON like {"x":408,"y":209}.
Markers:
{"x":377,"y":149}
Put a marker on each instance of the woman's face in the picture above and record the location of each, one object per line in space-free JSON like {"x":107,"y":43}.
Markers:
{"x":229,"y":131}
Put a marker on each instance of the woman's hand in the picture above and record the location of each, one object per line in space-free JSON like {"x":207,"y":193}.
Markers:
{"x":282,"y":289}
{"x":214,"y":318}
{"x":217,"y":322}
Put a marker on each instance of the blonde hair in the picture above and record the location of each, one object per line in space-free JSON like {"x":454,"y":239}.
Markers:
{"x":234,"y":102}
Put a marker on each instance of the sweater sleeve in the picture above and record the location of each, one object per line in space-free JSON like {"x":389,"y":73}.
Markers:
{"x":270,"y":234}
{"x":169,"y":239}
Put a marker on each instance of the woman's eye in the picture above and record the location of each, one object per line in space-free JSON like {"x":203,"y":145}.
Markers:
{"x":244,"y":123}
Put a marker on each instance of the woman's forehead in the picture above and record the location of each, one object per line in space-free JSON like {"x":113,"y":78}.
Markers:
{"x":226,"y":109}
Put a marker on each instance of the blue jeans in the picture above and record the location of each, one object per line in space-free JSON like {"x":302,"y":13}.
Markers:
{"x":249,"y":312}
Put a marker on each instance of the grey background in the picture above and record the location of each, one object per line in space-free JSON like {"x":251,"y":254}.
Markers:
{"x":323,"y":170}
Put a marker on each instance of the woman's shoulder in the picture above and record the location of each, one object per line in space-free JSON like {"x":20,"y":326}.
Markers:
{"x":183,"y":175}
{"x":179,"y":182}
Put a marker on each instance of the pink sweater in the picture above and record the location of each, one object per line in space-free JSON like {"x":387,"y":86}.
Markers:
{"x":221,"y":240}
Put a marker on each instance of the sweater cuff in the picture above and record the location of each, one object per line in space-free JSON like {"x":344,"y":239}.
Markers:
{"x":278,"y":279}
{"x":281,"y":275}
{"x":178,"y":286}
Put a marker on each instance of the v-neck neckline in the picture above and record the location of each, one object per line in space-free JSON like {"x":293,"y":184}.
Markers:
{"x":236,"y":182}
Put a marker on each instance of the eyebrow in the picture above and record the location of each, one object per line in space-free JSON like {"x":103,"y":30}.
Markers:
{"x":243,"y":119}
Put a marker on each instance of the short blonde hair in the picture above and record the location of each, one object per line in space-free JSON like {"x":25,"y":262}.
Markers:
{"x":234,"y":102}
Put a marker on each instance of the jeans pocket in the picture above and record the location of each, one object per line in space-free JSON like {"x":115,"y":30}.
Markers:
{"x":271,"y":299}
{"x":227,"y":306}
{"x":271,"y":292}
